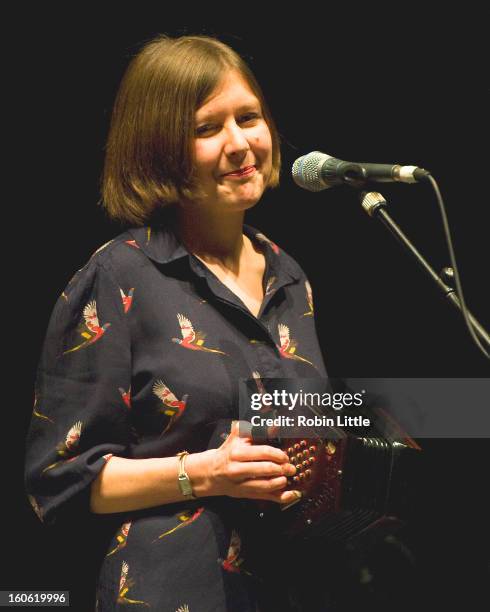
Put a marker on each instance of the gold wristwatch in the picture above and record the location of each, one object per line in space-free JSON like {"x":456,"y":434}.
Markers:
{"x":185,"y":484}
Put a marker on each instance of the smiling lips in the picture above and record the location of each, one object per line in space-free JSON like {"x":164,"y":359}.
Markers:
{"x":242,"y":172}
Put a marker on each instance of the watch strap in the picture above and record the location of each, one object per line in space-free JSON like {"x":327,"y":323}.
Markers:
{"x":183,"y":479}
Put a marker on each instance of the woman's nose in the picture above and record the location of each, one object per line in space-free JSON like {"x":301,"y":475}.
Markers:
{"x":236,"y":142}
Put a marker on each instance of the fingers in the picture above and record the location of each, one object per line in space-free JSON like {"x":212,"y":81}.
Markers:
{"x":258,"y":452}
{"x":245,"y":470}
{"x":255,"y":471}
{"x":237,"y":430}
{"x":244,"y":450}
{"x":288,"y":497}
{"x":284,"y":498}
{"x":234,"y":431}
{"x":261,"y":488}
{"x":271,"y":489}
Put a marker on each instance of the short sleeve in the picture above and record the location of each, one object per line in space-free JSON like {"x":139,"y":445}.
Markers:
{"x":82,"y":394}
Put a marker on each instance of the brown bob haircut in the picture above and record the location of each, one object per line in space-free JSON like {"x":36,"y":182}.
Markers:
{"x":149,"y":154}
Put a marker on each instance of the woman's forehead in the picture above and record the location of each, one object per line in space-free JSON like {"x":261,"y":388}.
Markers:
{"x":232,"y":90}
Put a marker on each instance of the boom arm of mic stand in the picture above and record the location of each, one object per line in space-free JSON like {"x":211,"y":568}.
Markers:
{"x":377,"y":209}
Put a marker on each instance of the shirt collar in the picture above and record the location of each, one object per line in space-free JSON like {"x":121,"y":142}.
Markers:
{"x":158,"y":243}
{"x":162,"y":246}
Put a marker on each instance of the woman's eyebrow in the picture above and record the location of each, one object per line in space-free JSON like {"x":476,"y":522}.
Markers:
{"x":247,"y":106}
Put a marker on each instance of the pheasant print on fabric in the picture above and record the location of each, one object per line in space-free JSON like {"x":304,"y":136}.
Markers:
{"x":288,"y":346}
{"x":233,"y":560}
{"x":126,"y":396}
{"x":264,"y":409}
{"x":36,"y":413}
{"x":186,"y":518}
{"x":67,"y":449}
{"x":127,"y":299}
{"x":121,"y":538}
{"x":258,"y":382}
{"x":190,"y":339}
{"x":91,"y":330}
{"x":133,"y":243}
{"x":264,"y":238}
{"x":126,"y":583}
{"x":172,"y":407}
{"x":35,"y":506}
{"x":309,"y":299}
{"x":270,"y":284}
{"x":101,"y":248}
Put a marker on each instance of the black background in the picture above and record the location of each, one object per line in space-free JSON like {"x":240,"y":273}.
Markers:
{"x":357,"y":84}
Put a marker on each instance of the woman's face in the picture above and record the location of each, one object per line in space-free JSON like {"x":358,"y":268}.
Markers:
{"x":232,"y":146}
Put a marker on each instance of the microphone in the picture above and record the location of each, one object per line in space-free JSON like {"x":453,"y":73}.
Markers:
{"x":317,"y":171}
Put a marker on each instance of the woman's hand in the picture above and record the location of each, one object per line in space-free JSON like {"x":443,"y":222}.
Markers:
{"x":239,"y":468}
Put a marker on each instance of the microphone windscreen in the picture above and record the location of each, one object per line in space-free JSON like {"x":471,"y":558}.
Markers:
{"x":307,"y":171}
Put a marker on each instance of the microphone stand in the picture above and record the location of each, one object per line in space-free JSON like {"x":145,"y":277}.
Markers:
{"x":374,"y":205}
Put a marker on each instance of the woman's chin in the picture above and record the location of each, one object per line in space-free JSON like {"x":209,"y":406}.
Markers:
{"x":247,"y":197}
{"x":241,"y":204}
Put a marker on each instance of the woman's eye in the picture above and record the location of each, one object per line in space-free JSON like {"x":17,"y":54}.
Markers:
{"x":204,"y":129}
{"x":210,"y":128}
{"x":249,"y":117}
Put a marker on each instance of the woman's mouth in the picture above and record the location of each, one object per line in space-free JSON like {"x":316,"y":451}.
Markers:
{"x":246,"y":171}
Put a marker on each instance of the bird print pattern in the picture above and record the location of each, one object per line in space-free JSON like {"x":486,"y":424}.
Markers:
{"x":67,"y":448}
{"x":309,"y":299}
{"x":36,"y":507}
{"x":264,"y":409}
{"x":133,"y":243}
{"x":190,"y":339}
{"x":121,"y":538}
{"x":172,"y":407}
{"x":126,"y":396}
{"x":287,"y":347}
{"x":269,"y":286}
{"x":264,"y":238}
{"x":186,"y":518}
{"x":39,"y":415}
{"x":91,"y":331}
{"x":126,"y":583}
{"x":233,"y":560}
{"x":127,"y":299}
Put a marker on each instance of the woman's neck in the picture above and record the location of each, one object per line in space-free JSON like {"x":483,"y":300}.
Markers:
{"x":214,"y":239}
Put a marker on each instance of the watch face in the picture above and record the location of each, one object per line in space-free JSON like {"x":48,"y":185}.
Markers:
{"x":185,"y":485}
{"x":183,"y":479}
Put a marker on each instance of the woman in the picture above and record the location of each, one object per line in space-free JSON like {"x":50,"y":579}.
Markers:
{"x":138,"y":381}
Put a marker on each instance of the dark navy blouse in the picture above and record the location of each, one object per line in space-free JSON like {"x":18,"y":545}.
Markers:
{"x":142,"y":358}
